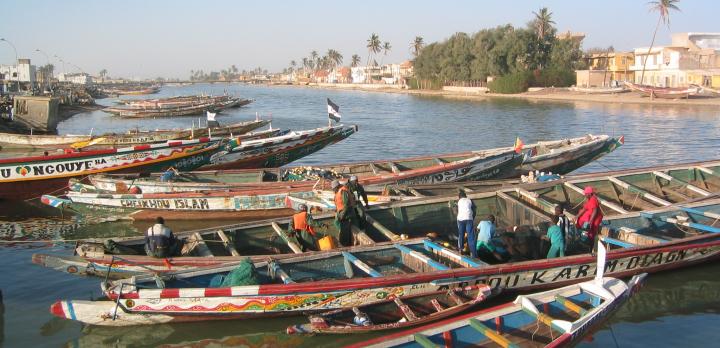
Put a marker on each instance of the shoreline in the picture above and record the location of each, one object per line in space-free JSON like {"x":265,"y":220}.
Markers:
{"x":544,"y":95}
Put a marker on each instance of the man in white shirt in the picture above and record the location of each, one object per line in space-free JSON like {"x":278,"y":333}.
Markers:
{"x":159,"y":240}
{"x":465,"y":217}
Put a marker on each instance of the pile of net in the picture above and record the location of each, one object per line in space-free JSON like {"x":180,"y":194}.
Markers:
{"x":244,"y":274}
{"x":310,"y":173}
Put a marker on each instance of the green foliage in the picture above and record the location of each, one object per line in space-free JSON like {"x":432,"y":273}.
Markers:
{"x":516,"y":82}
{"x":554,"y":77}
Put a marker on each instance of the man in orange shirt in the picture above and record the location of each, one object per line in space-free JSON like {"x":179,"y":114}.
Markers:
{"x":304,"y":228}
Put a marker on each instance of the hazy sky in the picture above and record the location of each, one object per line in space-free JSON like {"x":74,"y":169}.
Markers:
{"x":169,"y":38}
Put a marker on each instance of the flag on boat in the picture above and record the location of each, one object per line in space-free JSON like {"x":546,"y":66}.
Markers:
{"x":518,"y":145}
{"x":53,"y":201}
{"x":211,"y":116}
{"x":333,"y":111}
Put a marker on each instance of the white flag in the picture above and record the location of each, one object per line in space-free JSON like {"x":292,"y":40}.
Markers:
{"x":211,"y":116}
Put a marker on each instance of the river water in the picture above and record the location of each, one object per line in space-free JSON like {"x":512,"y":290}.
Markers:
{"x":679,"y":308}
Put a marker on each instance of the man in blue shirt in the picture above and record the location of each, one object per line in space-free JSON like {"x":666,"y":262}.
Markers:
{"x":557,"y":240}
{"x":486,"y":251}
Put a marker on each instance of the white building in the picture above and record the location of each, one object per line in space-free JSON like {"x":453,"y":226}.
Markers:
{"x":678,"y":64}
{"x":75,"y":78}
{"x":24,"y":69}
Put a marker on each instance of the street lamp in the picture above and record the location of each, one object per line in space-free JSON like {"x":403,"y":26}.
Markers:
{"x":17,"y":64}
{"x":61,"y":60}
{"x":46,"y":79}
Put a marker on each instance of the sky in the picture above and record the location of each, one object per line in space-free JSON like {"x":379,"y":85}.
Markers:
{"x":159,"y":38}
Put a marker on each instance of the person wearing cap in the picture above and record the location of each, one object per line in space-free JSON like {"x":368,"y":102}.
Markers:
{"x":590,"y":216}
{"x":304,"y":228}
{"x":344,"y":212}
{"x":358,"y":191}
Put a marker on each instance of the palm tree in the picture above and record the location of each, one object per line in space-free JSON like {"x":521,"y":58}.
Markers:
{"x":386,"y":48}
{"x":355,"y":60}
{"x":373,"y":45}
{"x":305,"y":63}
{"x":293,"y":64}
{"x":417,"y":45}
{"x":103,"y":72}
{"x":543,"y":22}
{"x":663,"y":8}
{"x":334,"y":57}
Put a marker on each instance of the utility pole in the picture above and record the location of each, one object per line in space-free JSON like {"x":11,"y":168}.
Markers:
{"x":17,"y":64}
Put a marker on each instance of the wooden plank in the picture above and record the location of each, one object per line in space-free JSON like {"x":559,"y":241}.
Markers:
{"x":632,"y":236}
{"x":439,"y":160}
{"x":360,"y":236}
{"x":405,"y":309}
{"x":491,"y":334}
{"x":374,"y":168}
{"x":459,"y":259}
{"x":361,"y":265}
{"x":279,"y":272}
{"x":507,"y":197}
{"x":572,"y":306}
{"x":201,"y":248}
{"x":415,"y":192}
{"x":634,"y":189}
{"x":683,"y":183}
{"x":423,"y":341}
{"x":384,"y":230}
{"x":424,"y":259}
{"x":293,"y":246}
{"x":436,"y":304}
{"x":228,"y":243}
{"x":604,"y":202}
{"x":394,"y":167}
{"x":707,"y":170}
{"x":693,"y":225}
{"x":700,"y":212}
{"x":464,"y":188}
{"x":617,"y":242}
{"x":548,"y":206}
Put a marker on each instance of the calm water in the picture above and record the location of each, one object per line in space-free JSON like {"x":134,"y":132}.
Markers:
{"x":674,"y":309}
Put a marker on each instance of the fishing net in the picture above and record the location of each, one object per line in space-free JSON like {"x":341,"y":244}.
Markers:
{"x":243,"y":274}
{"x":310,"y":173}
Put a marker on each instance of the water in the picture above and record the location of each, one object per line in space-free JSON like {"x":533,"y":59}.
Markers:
{"x":675,"y":308}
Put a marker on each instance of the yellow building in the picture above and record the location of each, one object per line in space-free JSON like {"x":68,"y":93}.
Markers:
{"x":605,"y":68}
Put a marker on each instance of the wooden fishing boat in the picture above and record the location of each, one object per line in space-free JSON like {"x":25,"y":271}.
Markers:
{"x":278,"y":151}
{"x":30,"y":177}
{"x":396,"y":313}
{"x":217,"y":104}
{"x":333,"y":281}
{"x":133,"y":90}
{"x":133,"y":137}
{"x":621,"y":193}
{"x":599,"y":90}
{"x":555,"y":318}
{"x":664,"y":92}
{"x":561,"y":156}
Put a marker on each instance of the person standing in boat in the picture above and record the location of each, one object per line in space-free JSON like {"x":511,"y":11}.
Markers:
{"x":557,"y":240}
{"x":465,"y":217}
{"x":344,"y":212}
{"x":304,"y":228}
{"x":590,"y":216}
{"x":361,"y":200}
{"x":564,"y":224}
{"x":159,"y":240}
{"x":486,"y":251}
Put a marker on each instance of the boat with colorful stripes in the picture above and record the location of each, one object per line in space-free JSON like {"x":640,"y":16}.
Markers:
{"x":396,"y":312}
{"x":559,"y":156}
{"x":278,"y":151}
{"x":621,"y":193}
{"x":31,"y":177}
{"x":555,"y":318}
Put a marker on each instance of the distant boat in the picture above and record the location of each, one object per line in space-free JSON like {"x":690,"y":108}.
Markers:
{"x":664,"y":92}
{"x":599,"y":90}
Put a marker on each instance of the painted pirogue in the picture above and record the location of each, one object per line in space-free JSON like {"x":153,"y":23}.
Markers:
{"x":30,"y":177}
{"x":179,"y":107}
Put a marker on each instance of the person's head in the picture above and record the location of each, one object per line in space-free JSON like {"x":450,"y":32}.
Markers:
{"x":491,"y":218}
{"x":588,"y":191}
{"x":335,"y":185}
{"x":462,"y":194}
{"x":559,"y":209}
{"x":353,"y":179}
{"x":302,"y":207}
{"x":555,"y":219}
{"x":160,"y":220}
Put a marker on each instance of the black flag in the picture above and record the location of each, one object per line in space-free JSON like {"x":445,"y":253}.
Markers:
{"x":333,"y":111}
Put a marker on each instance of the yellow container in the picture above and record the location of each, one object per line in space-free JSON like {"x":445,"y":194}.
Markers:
{"x":326,"y":243}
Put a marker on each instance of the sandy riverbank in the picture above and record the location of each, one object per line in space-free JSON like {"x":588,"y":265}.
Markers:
{"x":548,"y":94}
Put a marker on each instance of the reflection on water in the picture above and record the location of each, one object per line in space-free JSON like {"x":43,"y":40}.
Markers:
{"x":391,"y":126}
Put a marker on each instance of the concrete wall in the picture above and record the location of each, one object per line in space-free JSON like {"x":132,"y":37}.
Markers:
{"x":467,"y":90}
{"x":39,"y":113}
{"x":359,"y":85}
